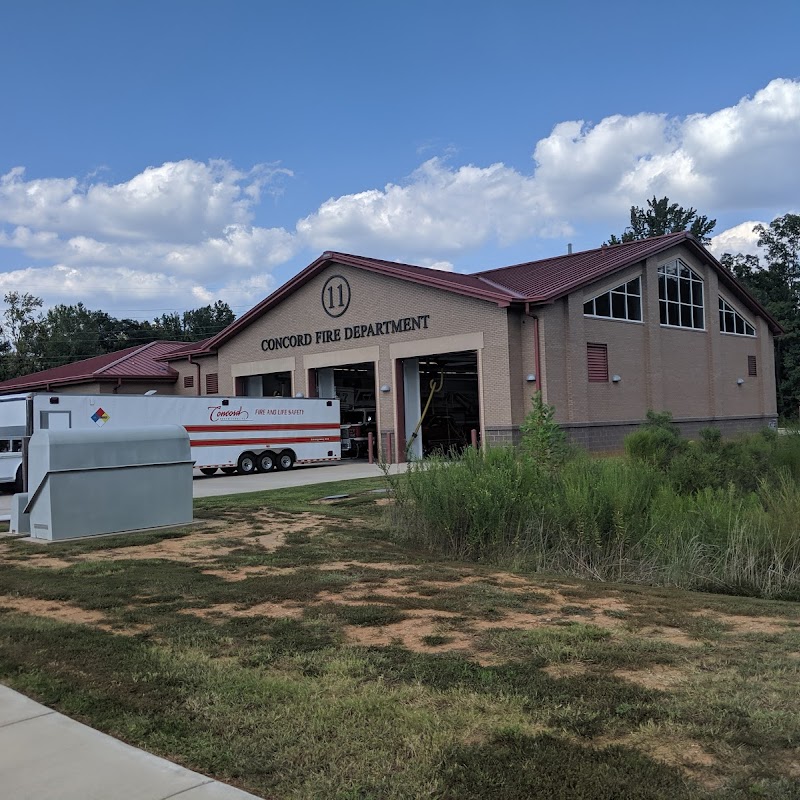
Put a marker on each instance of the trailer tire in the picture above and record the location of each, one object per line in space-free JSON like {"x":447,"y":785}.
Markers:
{"x":208,"y":470}
{"x":266,"y":461}
{"x":246,"y":464}
{"x":285,"y":460}
{"x":228,"y":470}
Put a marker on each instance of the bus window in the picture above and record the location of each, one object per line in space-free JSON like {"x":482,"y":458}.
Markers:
{"x":4,"y":445}
{"x":16,"y":445}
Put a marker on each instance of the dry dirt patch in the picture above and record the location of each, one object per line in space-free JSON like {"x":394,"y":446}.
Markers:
{"x":65,"y":612}
{"x":203,"y":545}
{"x":741,"y":623}
{"x":565,"y":670}
{"x":273,"y":610}
{"x":655,"y":676}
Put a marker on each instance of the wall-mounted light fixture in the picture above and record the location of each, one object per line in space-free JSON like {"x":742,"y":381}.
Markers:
{"x":739,"y":381}
{"x":616,"y":378}
{"x":386,"y":388}
{"x":530,"y":378}
{"x":299,"y":394}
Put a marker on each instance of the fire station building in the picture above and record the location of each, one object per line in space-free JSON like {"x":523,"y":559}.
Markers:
{"x":604,"y":334}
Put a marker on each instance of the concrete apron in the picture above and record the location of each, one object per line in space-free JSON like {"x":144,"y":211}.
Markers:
{"x":45,"y":754}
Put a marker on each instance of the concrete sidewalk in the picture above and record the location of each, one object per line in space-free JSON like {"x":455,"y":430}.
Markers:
{"x":47,"y":756}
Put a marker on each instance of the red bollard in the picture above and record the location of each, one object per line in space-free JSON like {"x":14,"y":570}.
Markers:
{"x":369,"y":447}
{"x":474,"y":436}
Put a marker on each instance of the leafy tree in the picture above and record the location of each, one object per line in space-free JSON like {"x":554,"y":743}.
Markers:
{"x":30,"y":342}
{"x":18,"y":329}
{"x":662,"y":217}
{"x":70,"y":333}
{"x":206,"y":321}
{"x":776,"y":285}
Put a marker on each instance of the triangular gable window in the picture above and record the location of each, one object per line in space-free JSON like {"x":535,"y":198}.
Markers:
{"x":731,"y":321}
{"x":622,"y":302}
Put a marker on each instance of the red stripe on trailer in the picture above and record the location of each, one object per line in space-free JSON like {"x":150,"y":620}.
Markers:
{"x":311,"y":426}
{"x":261,"y":442}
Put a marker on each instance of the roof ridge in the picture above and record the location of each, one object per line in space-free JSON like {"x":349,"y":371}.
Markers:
{"x":604,"y":247}
{"x":138,"y":349}
{"x":506,"y":289}
{"x":132,"y":351}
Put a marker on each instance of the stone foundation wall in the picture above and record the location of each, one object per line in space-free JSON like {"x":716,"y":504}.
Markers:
{"x":500,"y":435}
{"x":609,"y":437}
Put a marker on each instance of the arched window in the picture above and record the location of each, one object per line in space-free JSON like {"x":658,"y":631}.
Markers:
{"x":680,"y":296}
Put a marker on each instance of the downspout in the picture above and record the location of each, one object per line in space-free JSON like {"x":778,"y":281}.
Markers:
{"x":198,"y":374}
{"x":536,"y":357}
{"x":117,"y":387}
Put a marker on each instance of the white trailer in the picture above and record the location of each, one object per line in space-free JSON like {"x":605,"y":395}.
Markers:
{"x":234,"y":434}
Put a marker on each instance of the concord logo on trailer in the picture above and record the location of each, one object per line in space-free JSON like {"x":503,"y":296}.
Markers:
{"x":218,"y":413}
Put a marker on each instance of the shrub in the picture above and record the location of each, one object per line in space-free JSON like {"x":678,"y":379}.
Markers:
{"x":542,"y":438}
{"x":654,"y":446}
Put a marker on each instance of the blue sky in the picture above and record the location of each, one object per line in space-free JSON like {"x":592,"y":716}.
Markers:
{"x":156,"y":156}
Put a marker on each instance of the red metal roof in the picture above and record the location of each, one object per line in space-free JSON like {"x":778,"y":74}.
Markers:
{"x":533,"y":282}
{"x":186,"y":350}
{"x":138,"y":362}
{"x":540,"y":281}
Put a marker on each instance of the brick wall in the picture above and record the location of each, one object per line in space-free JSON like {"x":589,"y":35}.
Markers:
{"x":610,"y":437}
{"x":691,"y":373}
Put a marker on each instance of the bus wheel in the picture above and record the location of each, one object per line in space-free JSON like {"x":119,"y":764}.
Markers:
{"x":208,"y":470}
{"x":266,"y":461}
{"x":228,"y":470}
{"x":286,"y":460}
{"x":246,"y":464}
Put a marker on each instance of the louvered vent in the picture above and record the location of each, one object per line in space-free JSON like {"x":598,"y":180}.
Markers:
{"x":188,"y":381}
{"x":752,"y":366}
{"x":212,"y":383}
{"x":597,"y":361}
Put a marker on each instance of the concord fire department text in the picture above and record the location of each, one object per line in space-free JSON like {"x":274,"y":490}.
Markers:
{"x":401,"y":325}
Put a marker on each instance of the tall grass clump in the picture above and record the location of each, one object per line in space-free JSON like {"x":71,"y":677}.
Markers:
{"x":707,"y":514}
{"x":476,"y":505}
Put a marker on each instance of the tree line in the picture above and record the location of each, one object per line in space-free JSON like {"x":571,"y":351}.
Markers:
{"x":32,"y":340}
{"x":773,"y":277}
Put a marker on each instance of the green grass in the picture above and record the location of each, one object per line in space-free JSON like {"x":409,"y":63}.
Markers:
{"x":630,"y":519}
{"x":289,"y":707}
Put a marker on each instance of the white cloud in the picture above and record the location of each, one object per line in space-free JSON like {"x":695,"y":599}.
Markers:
{"x":738,"y":239}
{"x":741,"y":157}
{"x":184,"y":229}
{"x":109,"y":289}
{"x":177,"y":229}
{"x":176,"y":202}
{"x":439,"y":211}
{"x":431,"y":263}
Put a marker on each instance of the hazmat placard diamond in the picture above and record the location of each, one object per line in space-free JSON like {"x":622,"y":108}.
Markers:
{"x":100,"y":417}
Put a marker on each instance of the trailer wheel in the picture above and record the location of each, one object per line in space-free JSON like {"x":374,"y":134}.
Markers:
{"x":285,"y":460}
{"x":266,"y":461}
{"x":246,"y":464}
{"x":208,"y":470}
{"x":228,"y":470}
